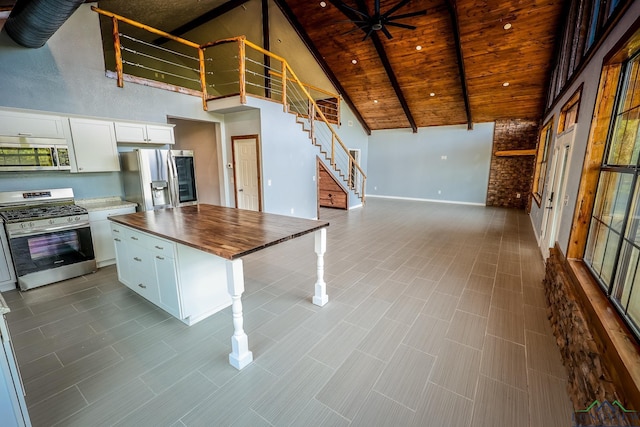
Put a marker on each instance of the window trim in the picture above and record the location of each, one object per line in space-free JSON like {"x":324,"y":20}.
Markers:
{"x":542,"y":159}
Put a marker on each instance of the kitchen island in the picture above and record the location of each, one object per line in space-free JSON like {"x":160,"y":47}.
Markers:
{"x":188,"y":260}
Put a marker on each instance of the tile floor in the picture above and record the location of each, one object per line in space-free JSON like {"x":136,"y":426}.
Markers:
{"x":436,"y":317}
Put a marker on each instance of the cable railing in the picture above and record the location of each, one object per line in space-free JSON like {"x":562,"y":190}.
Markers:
{"x":233,"y":67}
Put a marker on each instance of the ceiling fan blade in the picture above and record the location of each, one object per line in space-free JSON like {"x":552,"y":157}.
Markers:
{"x":357,"y":21}
{"x":407,"y":15}
{"x":387,"y":33}
{"x":377,"y":8}
{"x":395,"y":24}
{"x":345,"y":6}
{"x":394,"y":8}
{"x":368,"y":34}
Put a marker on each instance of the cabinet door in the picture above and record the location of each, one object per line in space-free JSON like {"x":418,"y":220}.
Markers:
{"x":33,"y":125}
{"x":168,"y":285}
{"x":103,"y":246}
{"x":125,"y":272}
{"x":159,"y":134}
{"x":131,"y":132}
{"x":94,"y":146}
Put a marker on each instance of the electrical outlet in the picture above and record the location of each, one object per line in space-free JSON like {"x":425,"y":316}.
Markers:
{"x":443,"y":157}
{"x":292,"y":211}
{"x":269,"y":183}
{"x":375,"y":187}
{"x":439,"y":191}
{"x":517,"y":195}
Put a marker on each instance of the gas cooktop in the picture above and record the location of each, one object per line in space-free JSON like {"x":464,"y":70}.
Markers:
{"x":40,"y":212}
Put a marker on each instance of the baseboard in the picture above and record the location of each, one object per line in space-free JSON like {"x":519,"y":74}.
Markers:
{"x":453,"y":202}
{"x":355,"y":207}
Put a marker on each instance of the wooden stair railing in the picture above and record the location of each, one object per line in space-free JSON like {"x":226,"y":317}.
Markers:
{"x":253,"y":77}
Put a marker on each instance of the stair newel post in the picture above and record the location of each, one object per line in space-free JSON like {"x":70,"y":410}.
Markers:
{"x":284,"y":87}
{"x":118,"y":52}
{"x":241,"y":68}
{"x":203,"y":78}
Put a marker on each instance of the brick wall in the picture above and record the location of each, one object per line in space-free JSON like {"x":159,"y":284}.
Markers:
{"x":509,"y":176}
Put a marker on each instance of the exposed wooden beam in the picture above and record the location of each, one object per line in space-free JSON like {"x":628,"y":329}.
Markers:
{"x":455,"y":24}
{"x":288,"y":13}
{"x":384,"y":59}
{"x":266,"y":43}
{"x":394,"y":81}
{"x":203,"y":19}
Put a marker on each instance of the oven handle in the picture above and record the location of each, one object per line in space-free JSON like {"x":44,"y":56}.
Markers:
{"x":33,"y":232}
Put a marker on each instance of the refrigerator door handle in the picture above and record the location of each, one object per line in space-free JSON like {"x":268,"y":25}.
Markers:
{"x":173,"y":180}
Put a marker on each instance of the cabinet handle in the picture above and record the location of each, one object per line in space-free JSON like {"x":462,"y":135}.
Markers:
{"x":117,"y":240}
{"x":24,"y":134}
{"x":137,"y":259}
{"x":115,"y":230}
{"x":159,"y":257}
{"x":142,"y":286}
{"x":134,"y":238}
{"x":159,"y":247}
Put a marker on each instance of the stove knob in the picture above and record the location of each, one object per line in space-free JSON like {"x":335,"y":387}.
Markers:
{"x":52,"y":221}
{"x":77,"y":218}
{"x":69,"y":219}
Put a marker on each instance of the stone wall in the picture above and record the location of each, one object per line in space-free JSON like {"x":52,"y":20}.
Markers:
{"x":513,"y":175}
{"x":589,"y":378}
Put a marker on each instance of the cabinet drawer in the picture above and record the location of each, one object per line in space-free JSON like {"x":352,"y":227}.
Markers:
{"x":104,"y":214}
{"x":161,"y":247}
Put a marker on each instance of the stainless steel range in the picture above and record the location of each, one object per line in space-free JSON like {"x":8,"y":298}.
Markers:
{"x":49,"y":236}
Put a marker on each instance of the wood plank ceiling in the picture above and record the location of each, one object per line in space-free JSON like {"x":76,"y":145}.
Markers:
{"x":430,"y":80}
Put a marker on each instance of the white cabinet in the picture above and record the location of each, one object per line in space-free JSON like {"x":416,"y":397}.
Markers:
{"x":31,"y":125}
{"x":12,"y":403}
{"x":7,"y":273}
{"x":187,"y":283}
{"x":141,"y":133}
{"x":94,"y":146}
{"x":103,"y":244}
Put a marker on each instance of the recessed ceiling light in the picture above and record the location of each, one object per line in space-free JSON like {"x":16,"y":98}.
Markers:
{"x":323,"y":4}
{"x":375,"y":101}
{"x":432,"y":94}
{"x":507,"y":26}
{"x":418,"y":47}
{"x":354,"y":61}
{"x":505,"y":84}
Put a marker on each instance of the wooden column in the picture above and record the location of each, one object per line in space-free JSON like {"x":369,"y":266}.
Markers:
{"x":240,"y":355}
{"x":241,"y":68}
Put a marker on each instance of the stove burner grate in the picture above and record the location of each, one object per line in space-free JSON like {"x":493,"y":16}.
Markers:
{"x":41,"y":212}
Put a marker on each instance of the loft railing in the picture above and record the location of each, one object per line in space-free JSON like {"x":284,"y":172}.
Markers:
{"x":232,"y":67}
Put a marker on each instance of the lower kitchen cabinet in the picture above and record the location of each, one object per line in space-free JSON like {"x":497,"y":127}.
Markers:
{"x":103,"y":247}
{"x":155,"y":268}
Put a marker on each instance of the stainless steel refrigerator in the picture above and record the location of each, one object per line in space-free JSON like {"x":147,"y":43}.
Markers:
{"x":158,"y":179}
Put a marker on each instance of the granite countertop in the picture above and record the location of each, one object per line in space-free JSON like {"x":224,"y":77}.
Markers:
{"x":4,"y":308}
{"x":104,"y":203}
{"x":226,"y":232}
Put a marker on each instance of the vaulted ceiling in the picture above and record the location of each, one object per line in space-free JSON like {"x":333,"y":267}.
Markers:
{"x":466,"y":61}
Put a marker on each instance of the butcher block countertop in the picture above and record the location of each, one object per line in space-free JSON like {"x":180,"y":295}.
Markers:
{"x":226,"y":232}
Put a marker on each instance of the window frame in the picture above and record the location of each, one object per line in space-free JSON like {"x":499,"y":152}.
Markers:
{"x":542,"y":159}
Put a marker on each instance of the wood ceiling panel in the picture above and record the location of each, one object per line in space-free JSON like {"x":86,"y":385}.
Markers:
{"x":492,"y":55}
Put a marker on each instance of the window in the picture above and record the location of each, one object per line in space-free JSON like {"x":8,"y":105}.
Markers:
{"x":569,"y":113}
{"x":541,"y":161}
{"x":613,"y":243}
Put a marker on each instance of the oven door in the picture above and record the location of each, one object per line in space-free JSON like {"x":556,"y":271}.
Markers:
{"x":47,"y":256}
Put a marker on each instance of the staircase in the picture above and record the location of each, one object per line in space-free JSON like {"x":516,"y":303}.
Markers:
{"x":236,"y":67}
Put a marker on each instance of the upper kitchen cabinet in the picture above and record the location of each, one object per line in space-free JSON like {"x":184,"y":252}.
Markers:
{"x":94,"y":146}
{"x":31,"y":125}
{"x":140,"y":133}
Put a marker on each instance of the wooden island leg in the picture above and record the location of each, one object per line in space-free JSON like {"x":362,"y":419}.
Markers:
{"x":320,"y":298}
{"x":240,"y":355}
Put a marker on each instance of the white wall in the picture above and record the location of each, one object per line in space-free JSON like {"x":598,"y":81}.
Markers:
{"x":590,"y":77}
{"x":411,"y":165}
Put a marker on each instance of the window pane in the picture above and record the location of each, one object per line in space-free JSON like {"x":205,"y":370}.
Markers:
{"x":595,"y":245}
{"x":612,"y":196}
{"x":608,"y":263}
{"x":632,"y":232}
{"x":633,"y":308}
{"x":627,"y":272}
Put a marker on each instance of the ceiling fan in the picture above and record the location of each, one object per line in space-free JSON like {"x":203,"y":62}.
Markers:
{"x":379,"y":21}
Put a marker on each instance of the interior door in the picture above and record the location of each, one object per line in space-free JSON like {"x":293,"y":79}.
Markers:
{"x":555,"y":193}
{"x":246,"y":164}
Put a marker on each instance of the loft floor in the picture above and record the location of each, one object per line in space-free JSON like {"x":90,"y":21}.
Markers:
{"x":436,"y":316}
